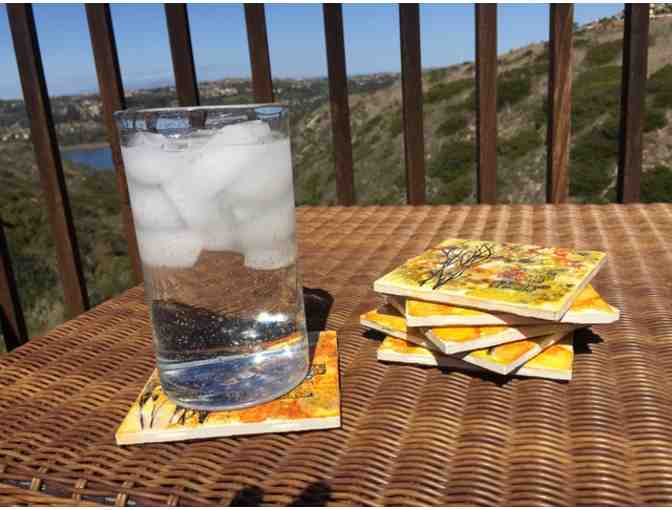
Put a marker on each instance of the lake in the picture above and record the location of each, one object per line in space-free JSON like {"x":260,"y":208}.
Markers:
{"x":99,"y":158}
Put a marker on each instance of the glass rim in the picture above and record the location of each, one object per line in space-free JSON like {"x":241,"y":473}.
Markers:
{"x":187,"y":109}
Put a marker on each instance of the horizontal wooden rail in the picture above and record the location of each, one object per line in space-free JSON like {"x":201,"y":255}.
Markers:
{"x":338,"y":101}
{"x":559,"y":102}
{"x":112,"y":96}
{"x":182,"y":54}
{"x":260,"y":61}
{"x":47,"y":156}
{"x":633,"y":90}
{"x":411,"y":95}
{"x":12,"y":323}
{"x":486,"y":102}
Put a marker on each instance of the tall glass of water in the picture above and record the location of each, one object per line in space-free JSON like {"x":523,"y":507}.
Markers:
{"x":213,"y":205}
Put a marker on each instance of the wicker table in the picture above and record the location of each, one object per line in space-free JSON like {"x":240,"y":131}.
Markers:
{"x":410,"y":434}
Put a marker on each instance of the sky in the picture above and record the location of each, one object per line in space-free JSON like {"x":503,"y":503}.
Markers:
{"x":296,"y":40}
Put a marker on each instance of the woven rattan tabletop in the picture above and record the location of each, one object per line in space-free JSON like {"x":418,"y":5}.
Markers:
{"x":410,"y":435}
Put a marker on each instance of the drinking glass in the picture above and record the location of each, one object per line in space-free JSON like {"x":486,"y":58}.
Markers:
{"x":212,"y":197}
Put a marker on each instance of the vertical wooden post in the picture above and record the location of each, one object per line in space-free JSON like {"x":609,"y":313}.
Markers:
{"x":182,"y":54}
{"x":559,"y":102}
{"x":260,"y":61}
{"x":47,"y":156}
{"x":411,"y":89}
{"x":12,"y":323}
{"x":338,"y":99}
{"x":633,"y":90}
{"x":486,"y":102}
{"x":112,"y":96}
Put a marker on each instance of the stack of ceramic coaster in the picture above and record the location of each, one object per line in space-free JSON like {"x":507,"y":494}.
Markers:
{"x":481,"y":305}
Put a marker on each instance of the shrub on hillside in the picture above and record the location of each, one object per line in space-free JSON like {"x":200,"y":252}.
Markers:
{"x":455,"y":191}
{"x":592,"y":159}
{"x":595,"y":92}
{"x":604,"y":53}
{"x":520,"y":144}
{"x":654,"y":119}
{"x":436,"y":74}
{"x":657,"y":185}
{"x":394,"y":125}
{"x":513,"y":87}
{"x":659,"y":85}
{"x":445,"y":91}
{"x":452,"y":125}
{"x":581,"y":42}
{"x":454,"y":165}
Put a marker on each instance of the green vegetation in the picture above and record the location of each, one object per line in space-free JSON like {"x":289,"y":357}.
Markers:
{"x":654,"y":119}
{"x":395,"y":124}
{"x":512,"y":87}
{"x":657,"y":184}
{"x":96,"y":212}
{"x":594,"y":92}
{"x":604,"y":53}
{"x":452,"y":125}
{"x":593,"y":159}
{"x":454,"y":165}
{"x":436,"y":75}
{"x":581,"y":42}
{"x":520,"y":144}
{"x":445,"y":91}
{"x":659,"y":85}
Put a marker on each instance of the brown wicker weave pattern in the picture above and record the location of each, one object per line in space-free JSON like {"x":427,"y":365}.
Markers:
{"x":410,"y":435}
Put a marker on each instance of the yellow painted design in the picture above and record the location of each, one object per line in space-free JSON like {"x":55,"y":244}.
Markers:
{"x":317,"y":397}
{"x":387,"y":317}
{"x":536,"y":277}
{"x":390,"y":319}
{"x":588,"y":300}
{"x":461,"y":334}
{"x":399,"y":346}
{"x":506,"y":353}
{"x":557,"y":357}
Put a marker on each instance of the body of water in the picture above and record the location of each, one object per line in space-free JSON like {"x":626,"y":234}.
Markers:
{"x":99,"y":158}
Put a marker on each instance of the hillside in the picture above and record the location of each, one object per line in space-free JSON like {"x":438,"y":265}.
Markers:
{"x":449,"y":127}
{"x":375,"y":104}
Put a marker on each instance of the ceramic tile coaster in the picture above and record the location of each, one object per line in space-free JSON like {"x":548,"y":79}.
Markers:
{"x":526,"y":280}
{"x":555,"y":362}
{"x":588,"y":308}
{"x":314,"y":404}
{"x":453,"y":339}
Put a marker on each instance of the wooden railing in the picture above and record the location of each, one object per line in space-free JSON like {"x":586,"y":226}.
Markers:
{"x":48,"y":158}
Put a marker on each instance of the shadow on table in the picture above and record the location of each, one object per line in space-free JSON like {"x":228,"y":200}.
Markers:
{"x":318,"y":303}
{"x":583,"y":338}
{"x":315,"y":494}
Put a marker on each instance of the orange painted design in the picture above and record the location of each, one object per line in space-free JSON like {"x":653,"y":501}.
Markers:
{"x":557,"y":357}
{"x":462,"y":334}
{"x":587,"y":300}
{"x":390,"y":319}
{"x":317,"y":397}
{"x":399,"y":346}
{"x":387,"y":317}
{"x":505,"y":353}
